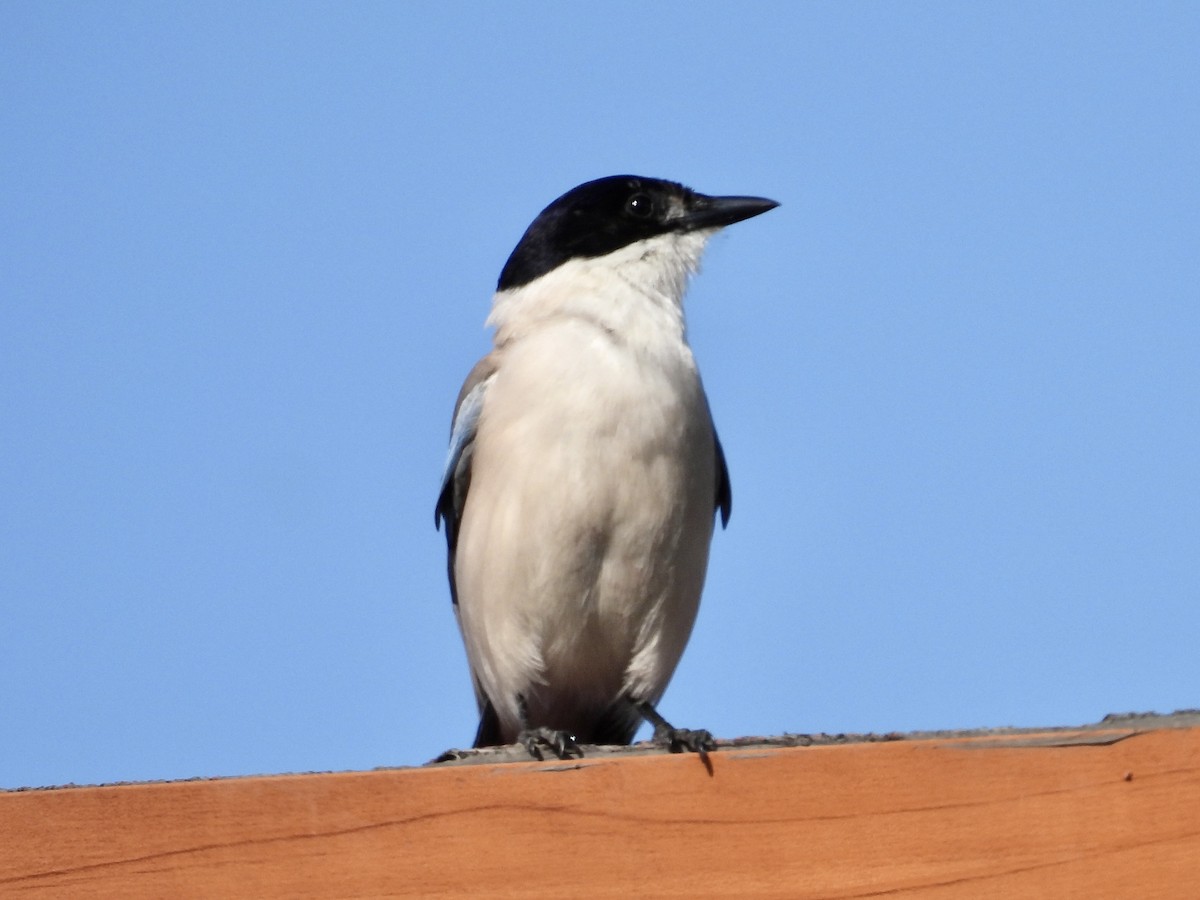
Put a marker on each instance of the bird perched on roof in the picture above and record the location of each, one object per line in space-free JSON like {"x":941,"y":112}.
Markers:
{"x":584,"y":472}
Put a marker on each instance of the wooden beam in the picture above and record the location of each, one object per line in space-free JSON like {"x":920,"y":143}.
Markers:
{"x":1098,"y":812}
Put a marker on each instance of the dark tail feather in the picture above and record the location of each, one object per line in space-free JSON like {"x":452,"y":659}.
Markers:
{"x":488,"y":734}
{"x":618,"y":724}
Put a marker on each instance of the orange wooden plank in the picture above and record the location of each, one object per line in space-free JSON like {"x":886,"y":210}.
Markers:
{"x":915,"y":818}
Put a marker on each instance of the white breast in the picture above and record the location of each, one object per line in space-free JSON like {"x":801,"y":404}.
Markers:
{"x":584,"y":541}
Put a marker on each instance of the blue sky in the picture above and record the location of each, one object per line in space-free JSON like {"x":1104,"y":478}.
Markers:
{"x":246,"y":252}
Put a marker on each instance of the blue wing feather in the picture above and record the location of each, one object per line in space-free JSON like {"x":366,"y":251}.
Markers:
{"x":456,"y":477}
{"x":724,"y":488}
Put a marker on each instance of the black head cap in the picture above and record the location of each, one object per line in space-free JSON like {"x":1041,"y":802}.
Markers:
{"x":610,"y":213}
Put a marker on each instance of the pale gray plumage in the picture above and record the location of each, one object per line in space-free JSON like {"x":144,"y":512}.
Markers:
{"x":584,"y":470}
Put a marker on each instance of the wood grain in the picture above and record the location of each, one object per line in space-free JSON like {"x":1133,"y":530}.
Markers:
{"x":1115,"y":816}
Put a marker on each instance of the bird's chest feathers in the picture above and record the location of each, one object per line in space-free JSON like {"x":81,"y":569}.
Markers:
{"x":597,"y":406}
{"x":612,"y":436}
{"x":599,"y":346}
{"x":578,"y":393}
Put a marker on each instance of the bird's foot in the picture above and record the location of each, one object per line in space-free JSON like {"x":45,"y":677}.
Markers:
{"x":676,"y":740}
{"x":680,"y":740}
{"x":561,"y":743}
{"x":451,"y":755}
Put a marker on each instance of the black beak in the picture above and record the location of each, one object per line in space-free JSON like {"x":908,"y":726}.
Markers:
{"x":717,"y":212}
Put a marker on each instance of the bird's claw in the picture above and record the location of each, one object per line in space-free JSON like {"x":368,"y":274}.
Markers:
{"x":680,"y":740}
{"x":561,"y":743}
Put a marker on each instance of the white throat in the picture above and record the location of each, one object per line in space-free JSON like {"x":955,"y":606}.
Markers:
{"x":635,"y":293}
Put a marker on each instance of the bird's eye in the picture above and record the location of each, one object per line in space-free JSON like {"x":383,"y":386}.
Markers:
{"x":640,"y":206}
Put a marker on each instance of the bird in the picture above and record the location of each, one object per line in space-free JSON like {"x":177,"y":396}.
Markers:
{"x":584,"y":473}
